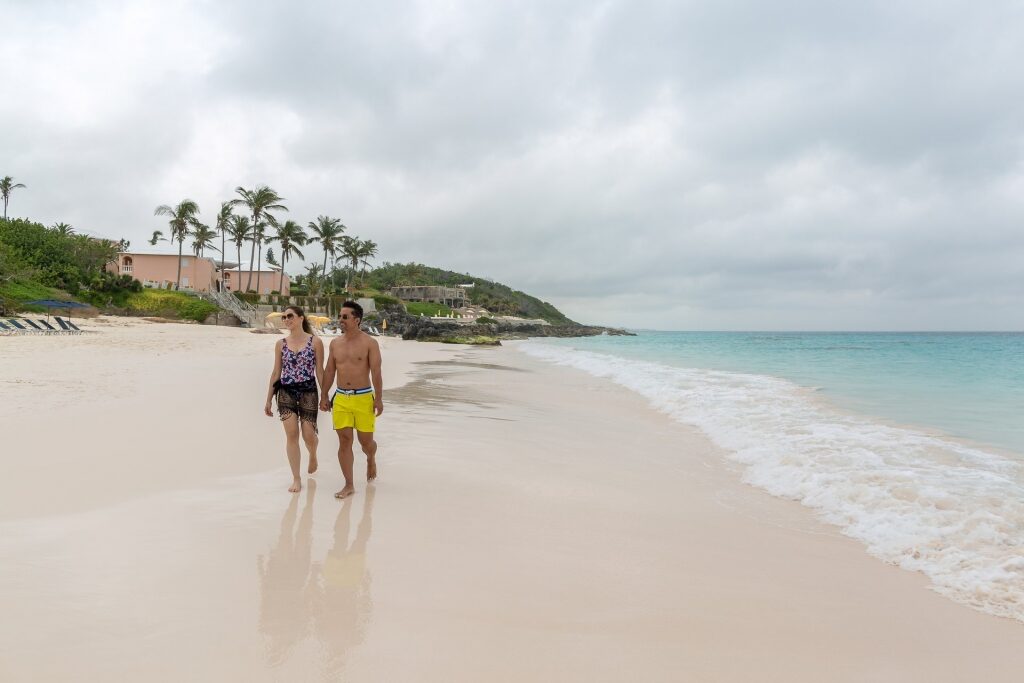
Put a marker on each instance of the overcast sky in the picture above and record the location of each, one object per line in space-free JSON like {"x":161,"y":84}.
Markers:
{"x":670,"y":165}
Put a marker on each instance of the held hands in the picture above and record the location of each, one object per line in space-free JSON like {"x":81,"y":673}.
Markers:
{"x":325,"y":405}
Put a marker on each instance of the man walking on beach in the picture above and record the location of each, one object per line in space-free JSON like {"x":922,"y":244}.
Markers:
{"x":353,"y":363}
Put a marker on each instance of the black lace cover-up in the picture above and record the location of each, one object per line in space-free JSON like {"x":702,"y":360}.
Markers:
{"x":299,"y":398}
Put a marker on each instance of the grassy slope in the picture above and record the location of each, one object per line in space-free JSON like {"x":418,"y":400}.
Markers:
{"x":15,"y":292}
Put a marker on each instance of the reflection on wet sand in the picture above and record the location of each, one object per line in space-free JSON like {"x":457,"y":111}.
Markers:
{"x":328,"y":601}
{"x":342,"y":598}
{"x":284,"y":581}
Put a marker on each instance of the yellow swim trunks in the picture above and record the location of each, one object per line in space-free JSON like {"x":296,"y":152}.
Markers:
{"x":353,"y":410}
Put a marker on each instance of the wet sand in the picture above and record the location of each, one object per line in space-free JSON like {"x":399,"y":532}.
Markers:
{"x":530,"y":523}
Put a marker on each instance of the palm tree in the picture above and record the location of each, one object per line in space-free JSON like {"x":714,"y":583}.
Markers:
{"x":351,"y":251}
{"x":291,"y":236}
{"x":239,"y":229}
{"x":312,"y":277}
{"x":7,"y":185}
{"x":327,"y":232}
{"x":182,"y":221}
{"x":63,"y":229}
{"x":224,"y":217}
{"x":367,"y":251}
{"x":202,"y":239}
{"x":258,"y":201}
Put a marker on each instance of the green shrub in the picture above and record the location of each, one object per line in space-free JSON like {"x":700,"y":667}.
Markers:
{"x":168,"y":304}
{"x":197,"y":310}
{"x":426,"y":308}
{"x":248,"y":297}
{"x":384,"y":301}
{"x":484,"y":320}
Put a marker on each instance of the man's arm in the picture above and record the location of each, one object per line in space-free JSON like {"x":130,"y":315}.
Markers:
{"x":329,"y":373}
{"x":375,"y":377}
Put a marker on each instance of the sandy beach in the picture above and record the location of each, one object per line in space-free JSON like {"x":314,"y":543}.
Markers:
{"x":531,"y":522}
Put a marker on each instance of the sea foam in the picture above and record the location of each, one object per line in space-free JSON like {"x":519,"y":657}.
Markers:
{"x":916,"y":500}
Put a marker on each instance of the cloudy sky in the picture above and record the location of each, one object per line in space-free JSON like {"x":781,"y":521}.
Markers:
{"x":670,"y":165}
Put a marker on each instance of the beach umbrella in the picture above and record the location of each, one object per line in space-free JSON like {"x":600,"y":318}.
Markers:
{"x":53,"y":303}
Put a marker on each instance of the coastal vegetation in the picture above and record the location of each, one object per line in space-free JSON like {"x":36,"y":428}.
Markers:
{"x":167,"y":304}
{"x":38,"y":262}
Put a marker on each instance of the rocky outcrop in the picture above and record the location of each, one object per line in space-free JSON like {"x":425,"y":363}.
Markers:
{"x":426,"y":329}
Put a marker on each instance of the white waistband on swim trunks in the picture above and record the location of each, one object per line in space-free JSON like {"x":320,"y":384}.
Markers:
{"x":354,"y":392}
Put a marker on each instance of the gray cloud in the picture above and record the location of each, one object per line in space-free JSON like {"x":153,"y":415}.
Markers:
{"x":733,"y":165}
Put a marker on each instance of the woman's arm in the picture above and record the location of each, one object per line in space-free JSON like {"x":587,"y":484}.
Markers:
{"x":274,"y":376}
{"x":318,"y":349}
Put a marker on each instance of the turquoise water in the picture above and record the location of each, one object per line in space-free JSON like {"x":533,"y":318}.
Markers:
{"x":913,"y":444}
{"x":965,"y":385}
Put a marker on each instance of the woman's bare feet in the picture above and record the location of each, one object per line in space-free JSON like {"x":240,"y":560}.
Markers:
{"x":345,"y":492}
{"x":312,"y":463}
{"x":371,"y":467}
{"x":296,"y":486}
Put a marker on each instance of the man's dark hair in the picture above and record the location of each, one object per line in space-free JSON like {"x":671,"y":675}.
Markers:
{"x":356,"y":308}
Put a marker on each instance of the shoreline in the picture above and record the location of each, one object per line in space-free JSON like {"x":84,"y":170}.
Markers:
{"x":522,"y":508}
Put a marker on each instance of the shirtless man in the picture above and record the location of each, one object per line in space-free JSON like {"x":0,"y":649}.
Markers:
{"x":353,"y":363}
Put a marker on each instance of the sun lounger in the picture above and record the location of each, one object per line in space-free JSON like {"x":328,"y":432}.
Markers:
{"x":16,"y":326}
{"x":67,"y":326}
{"x":49,"y":327}
{"x":31,"y":324}
{"x":6,"y":329}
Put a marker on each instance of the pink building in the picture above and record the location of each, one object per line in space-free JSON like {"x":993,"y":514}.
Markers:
{"x":263,"y":281}
{"x":199,"y":273}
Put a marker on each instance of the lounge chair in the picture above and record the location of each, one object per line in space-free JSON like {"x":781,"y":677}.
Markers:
{"x":73,"y":326}
{"x":6,"y":329}
{"x":18,"y":325}
{"x":67,"y":326}
{"x":32,"y":325}
{"x":49,"y":327}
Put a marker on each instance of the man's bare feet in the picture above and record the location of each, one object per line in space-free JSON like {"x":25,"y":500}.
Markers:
{"x":371,"y":467}
{"x":312,"y":463}
{"x":296,"y":486}
{"x":345,"y":492}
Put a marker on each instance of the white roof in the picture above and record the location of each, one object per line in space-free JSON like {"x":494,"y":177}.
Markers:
{"x":156,"y":251}
{"x":245,"y":267}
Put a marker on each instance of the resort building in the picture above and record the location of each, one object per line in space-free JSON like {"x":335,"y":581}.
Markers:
{"x":198,"y":273}
{"x":264,"y":281}
{"x":454,"y":297}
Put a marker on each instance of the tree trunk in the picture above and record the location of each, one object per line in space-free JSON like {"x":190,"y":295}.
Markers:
{"x":223,"y":246}
{"x":252,"y":254}
{"x":259,"y":269}
{"x":181,"y":243}
{"x":284,"y":260}
{"x":322,"y":289}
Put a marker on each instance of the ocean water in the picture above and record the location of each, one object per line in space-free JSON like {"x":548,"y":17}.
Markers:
{"x":912,"y":443}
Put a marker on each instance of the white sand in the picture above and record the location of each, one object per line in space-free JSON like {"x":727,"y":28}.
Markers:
{"x":530,"y":523}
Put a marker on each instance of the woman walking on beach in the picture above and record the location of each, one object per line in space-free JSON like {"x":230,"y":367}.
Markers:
{"x":298,"y":371}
